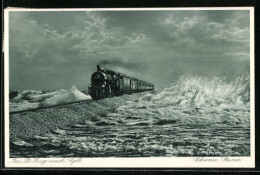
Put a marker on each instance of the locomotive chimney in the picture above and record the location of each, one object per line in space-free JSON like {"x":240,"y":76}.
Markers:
{"x":98,"y":68}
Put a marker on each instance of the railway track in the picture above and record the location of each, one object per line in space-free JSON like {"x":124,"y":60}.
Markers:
{"x":47,"y":107}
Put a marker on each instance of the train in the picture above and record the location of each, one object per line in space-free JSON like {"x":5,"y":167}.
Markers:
{"x":107,"y":83}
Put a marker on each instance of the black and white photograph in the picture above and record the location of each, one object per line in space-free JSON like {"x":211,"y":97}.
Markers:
{"x":151,"y":87}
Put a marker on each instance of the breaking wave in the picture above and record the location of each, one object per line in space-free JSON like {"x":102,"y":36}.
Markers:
{"x":194,"y":116}
{"x":30,"y":99}
{"x":205,"y":91}
{"x":211,"y":100}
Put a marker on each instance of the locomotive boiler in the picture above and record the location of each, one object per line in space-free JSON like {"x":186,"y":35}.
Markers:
{"x":107,"y":83}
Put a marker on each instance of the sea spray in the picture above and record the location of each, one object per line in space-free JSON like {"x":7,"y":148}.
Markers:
{"x":30,"y":99}
{"x":211,"y":100}
{"x":193,"y":116}
{"x":66,"y":96}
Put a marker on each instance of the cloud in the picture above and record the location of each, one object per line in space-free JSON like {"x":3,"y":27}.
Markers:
{"x":99,"y":39}
{"x":198,"y":33}
{"x":135,"y":38}
{"x":60,"y":49}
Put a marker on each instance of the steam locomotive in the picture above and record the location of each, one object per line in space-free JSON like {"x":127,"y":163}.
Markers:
{"x":107,"y":83}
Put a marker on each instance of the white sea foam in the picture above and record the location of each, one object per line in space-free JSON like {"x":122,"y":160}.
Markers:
{"x":30,"y":99}
{"x":211,"y":100}
{"x":194,"y":116}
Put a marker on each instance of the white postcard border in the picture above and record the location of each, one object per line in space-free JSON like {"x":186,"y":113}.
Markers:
{"x":150,"y":162}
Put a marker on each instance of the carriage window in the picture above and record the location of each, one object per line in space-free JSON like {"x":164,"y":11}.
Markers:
{"x":126,"y":80}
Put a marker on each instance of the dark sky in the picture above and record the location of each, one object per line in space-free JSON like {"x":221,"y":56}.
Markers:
{"x":56,"y":50}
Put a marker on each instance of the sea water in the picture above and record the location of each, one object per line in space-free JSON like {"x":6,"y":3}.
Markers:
{"x":193,"y":116}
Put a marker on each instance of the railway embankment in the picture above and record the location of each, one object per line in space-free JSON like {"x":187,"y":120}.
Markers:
{"x":28,"y":124}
